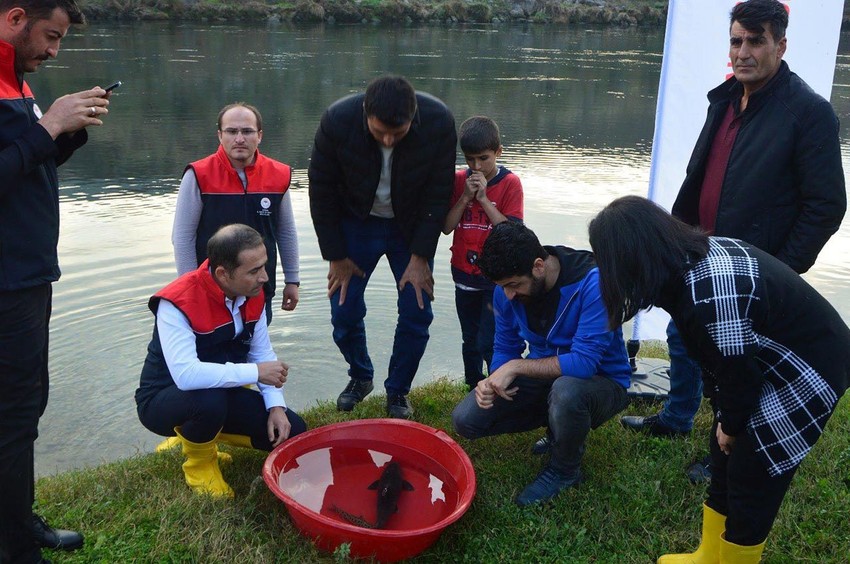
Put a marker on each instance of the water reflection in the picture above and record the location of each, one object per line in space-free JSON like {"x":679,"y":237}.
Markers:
{"x":575,"y":107}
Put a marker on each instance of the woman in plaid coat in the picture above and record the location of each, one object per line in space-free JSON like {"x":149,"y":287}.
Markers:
{"x":775,"y":357}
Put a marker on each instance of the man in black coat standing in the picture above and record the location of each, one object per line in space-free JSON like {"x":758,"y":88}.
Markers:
{"x":381,"y":175}
{"x":766,"y":169}
{"x":32,"y":145}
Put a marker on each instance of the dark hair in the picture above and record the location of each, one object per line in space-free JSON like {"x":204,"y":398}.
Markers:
{"x":224,"y":246}
{"x":510,"y":250}
{"x":42,"y":9}
{"x":479,"y":134}
{"x":639,"y":249}
{"x":229,"y":107}
{"x":391,"y":99}
{"x":754,"y":13}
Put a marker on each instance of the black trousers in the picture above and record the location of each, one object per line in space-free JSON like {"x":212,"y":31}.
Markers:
{"x":201,"y":414}
{"x":742,"y":489}
{"x":24,"y":332}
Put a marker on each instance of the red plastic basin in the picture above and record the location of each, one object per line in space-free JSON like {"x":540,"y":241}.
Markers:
{"x":325,"y":470}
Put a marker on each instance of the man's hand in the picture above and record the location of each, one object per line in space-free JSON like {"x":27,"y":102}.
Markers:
{"x":339,"y":275}
{"x":418,"y":274}
{"x":290,"y":297}
{"x":724,"y":441}
{"x":503,"y":377}
{"x":497,"y":384}
{"x":272,"y":373}
{"x":73,"y":112}
{"x":278,"y":426}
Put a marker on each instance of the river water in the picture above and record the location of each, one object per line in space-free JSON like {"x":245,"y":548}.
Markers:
{"x":575,"y":106}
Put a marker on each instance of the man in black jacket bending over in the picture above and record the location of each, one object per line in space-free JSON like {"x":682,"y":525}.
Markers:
{"x":766,"y":169}
{"x":381,"y":177}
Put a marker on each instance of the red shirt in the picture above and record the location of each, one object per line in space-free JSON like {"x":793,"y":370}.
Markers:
{"x":505,"y":192}
{"x":715,"y":169}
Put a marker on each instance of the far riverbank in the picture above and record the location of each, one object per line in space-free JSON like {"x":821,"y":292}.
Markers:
{"x":623,"y":13}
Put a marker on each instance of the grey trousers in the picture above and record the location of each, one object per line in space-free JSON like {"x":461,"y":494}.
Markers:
{"x":570,"y":407}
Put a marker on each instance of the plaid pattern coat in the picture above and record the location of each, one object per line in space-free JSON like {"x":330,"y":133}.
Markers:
{"x":775,"y":353}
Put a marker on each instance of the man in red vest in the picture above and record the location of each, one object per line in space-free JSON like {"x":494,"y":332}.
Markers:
{"x":210,"y":342}
{"x":238,"y":184}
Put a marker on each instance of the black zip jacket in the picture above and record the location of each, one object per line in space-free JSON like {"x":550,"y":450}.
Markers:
{"x":29,"y":185}
{"x":784,"y":185}
{"x":346,"y":166}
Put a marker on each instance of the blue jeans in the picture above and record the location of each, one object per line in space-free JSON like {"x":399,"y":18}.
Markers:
{"x":367,"y":242}
{"x":685,"y":385}
{"x":569,"y":406}
{"x":477,"y":327}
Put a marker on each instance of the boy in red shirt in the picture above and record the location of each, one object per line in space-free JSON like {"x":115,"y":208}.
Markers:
{"x":485,"y":195}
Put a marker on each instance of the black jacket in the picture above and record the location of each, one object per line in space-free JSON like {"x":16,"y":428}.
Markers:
{"x":775,"y":354}
{"x":784,"y":185}
{"x":346,"y":166}
{"x":29,"y":185}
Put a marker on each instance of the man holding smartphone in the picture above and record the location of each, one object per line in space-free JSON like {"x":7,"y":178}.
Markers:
{"x":32,"y":145}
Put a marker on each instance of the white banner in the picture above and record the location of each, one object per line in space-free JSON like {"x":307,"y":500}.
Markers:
{"x":696,"y":59}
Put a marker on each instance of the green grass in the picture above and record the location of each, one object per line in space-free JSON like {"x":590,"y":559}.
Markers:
{"x":636,"y":505}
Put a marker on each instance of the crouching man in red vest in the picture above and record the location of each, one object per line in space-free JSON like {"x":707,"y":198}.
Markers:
{"x":210,"y":342}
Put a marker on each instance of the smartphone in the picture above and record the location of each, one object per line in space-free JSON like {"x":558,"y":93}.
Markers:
{"x":112,"y":87}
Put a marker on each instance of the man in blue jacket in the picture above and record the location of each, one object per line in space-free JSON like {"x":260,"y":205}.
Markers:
{"x":32,"y":145}
{"x":575,"y":375}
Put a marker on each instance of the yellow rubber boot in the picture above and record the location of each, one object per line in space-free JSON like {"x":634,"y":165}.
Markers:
{"x":713,"y":526}
{"x":201,"y":468}
{"x":173,"y":442}
{"x":168,"y":444}
{"x":731,"y":553}
{"x":235,"y":440}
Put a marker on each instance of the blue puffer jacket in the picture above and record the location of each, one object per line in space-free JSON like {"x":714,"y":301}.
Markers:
{"x":29,"y":185}
{"x":579,"y":336}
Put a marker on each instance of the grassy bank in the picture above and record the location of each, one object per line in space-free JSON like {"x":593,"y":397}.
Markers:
{"x":636,"y":504}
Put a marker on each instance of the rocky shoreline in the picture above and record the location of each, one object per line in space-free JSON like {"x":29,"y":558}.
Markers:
{"x":600,"y":12}
{"x":623,"y":13}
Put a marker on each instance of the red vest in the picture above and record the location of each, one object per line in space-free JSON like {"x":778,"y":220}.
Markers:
{"x":201,"y":300}
{"x":226,"y":201}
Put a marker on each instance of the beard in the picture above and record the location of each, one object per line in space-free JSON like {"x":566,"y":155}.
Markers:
{"x":536,"y":291}
{"x":25,"y":54}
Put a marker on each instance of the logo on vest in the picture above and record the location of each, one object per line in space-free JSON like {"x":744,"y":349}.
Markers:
{"x":265,"y":203}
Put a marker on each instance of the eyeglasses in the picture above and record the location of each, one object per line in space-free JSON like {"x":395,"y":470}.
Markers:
{"x":245,"y":131}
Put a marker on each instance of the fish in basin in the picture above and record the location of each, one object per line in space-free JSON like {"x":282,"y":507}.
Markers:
{"x":389,"y":487}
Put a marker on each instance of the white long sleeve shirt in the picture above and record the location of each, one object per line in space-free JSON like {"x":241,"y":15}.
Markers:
{"x":190,"y":373}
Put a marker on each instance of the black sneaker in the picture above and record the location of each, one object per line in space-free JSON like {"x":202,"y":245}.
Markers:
{"x":548,"y":484}
{"x":699,"y":472}
{"x":398,"y":407}
{"x":650,"y":424}
{"x":542,"y":446}
{"x":57,"y":539}
{"x":353,"y":394}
